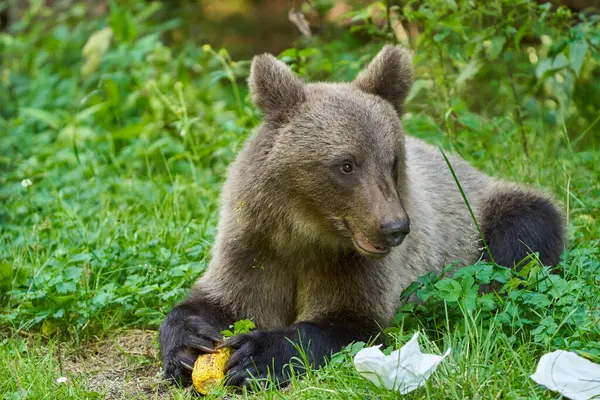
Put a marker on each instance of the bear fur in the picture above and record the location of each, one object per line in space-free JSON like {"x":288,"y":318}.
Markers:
{"x":329,"y":212}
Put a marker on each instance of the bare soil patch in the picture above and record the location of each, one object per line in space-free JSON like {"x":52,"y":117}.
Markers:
{"x":124,"y":366}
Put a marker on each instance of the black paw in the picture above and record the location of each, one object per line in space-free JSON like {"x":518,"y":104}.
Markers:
{"x":261,"y":355}
{"x":183,"y":336}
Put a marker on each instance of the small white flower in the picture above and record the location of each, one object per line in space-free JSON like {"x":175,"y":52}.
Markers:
{"x":62,"y":379}
{"x":546,"y":40}
{"x":26,"y":183}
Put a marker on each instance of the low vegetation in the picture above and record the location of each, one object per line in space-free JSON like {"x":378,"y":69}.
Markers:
{"x":112,"y":155}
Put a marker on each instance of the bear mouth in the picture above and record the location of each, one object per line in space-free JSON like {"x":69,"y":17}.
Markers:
{"x":363,"y":246}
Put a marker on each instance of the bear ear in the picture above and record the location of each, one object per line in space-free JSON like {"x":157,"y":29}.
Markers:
{"x":273,"y":86}
{"x":389,"y":75}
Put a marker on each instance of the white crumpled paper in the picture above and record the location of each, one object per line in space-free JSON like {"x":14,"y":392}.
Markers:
{"x":404,"y":370}
{"x":568,"y":374}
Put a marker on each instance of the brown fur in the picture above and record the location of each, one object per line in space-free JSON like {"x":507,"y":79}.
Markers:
{"x":277,"y":258}
{"x":286,"y":252}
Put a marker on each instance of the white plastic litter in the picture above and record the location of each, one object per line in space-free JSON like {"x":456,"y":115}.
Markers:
{"x":568,"y":374}
{"x":404,"y":370}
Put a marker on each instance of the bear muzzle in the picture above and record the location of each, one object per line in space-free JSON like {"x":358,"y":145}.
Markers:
{"x":365,"y":247}
{"x":394,"y":232}
{"x":390,"y":234}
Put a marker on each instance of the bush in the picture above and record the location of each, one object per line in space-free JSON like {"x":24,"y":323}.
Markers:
{"x":113,"y":146}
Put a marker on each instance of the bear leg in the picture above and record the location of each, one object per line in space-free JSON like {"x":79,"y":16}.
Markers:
{"x":516,"y":222}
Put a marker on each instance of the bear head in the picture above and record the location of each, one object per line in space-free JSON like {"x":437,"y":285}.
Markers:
{"x":337,"y":149}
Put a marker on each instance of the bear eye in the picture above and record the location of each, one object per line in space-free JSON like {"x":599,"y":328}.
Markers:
{"x":347,"y":168}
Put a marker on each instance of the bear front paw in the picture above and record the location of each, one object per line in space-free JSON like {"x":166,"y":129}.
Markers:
{"x":259,"y":355}
{"x":183,"y":337}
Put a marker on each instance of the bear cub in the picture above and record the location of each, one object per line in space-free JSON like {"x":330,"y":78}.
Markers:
{"x":328,"y":213}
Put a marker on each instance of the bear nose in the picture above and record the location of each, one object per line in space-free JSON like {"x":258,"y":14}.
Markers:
{"x":395,"y":231}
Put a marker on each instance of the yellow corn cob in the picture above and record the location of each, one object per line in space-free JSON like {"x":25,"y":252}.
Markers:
{"x":209,"y":369}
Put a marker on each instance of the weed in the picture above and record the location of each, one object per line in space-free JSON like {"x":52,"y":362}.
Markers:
{"x":111,"y":164}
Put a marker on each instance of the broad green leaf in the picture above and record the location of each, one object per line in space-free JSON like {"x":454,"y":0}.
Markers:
{"x":40,"y":115}
{"x":82,"y":257}
{"x":501,"y":274}
{"x":577,"y":52}
{"x":487,"y":301}
{"x":450,"y":290}
{"x":470,"y":298}
{"x":227,"y":333}
{"x":73,"y":273}
{"x":65,"y":287}
{"x":512,"y":284}
{"x":467,"y":282}
{"x":557,"y":286}
{"x":243,"y":326}
{"x":538,"y":300}
{"x":496,"y":47}
{"x":410,"y":290}
{"x":472,"y":121}
{"x":466,"y":271}
{"x":549,"y":67}
{"x":102,"y":298}
{"x":484,"y":273}
{"x":439,"y":37}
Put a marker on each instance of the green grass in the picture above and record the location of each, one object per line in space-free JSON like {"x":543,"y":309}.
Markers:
{"x":126,"y":166}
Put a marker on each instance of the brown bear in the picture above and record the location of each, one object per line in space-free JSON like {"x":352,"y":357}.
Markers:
{"x":328,"y":213}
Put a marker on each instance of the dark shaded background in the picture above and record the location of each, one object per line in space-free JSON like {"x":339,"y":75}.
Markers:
{"x":244,"y":27}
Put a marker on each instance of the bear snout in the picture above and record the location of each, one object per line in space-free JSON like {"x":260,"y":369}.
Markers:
{"x":394,"y":232}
